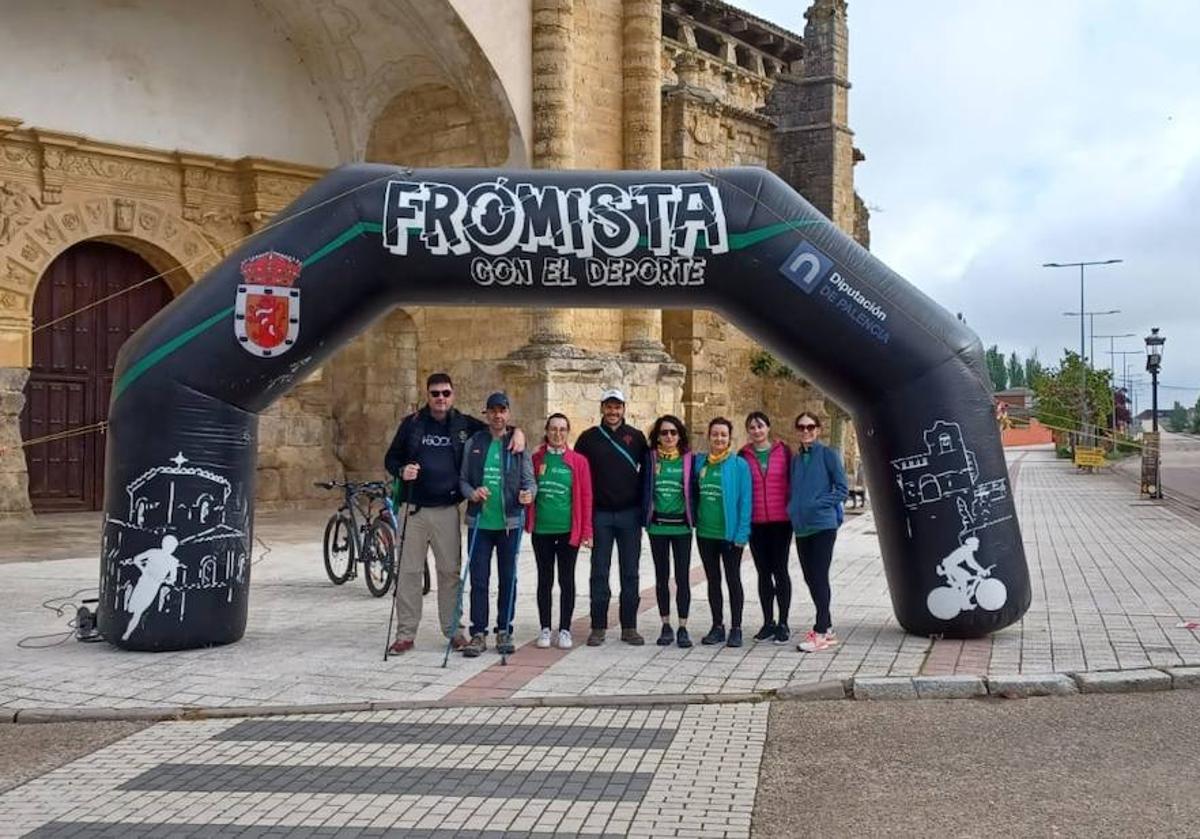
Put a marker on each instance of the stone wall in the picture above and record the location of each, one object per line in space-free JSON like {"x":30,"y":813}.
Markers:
{"x":14,"y":480}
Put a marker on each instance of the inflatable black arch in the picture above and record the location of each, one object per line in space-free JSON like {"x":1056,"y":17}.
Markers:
{"x":175,"y":566}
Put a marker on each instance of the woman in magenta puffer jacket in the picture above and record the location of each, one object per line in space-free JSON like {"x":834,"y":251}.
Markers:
{"x":770,"y":528}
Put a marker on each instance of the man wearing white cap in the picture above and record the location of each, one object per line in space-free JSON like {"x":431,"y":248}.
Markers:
{"x":615,"y":452}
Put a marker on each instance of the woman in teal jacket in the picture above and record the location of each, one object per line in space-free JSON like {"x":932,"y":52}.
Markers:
{"x":818,"y":488}
{"x":723,"y":498}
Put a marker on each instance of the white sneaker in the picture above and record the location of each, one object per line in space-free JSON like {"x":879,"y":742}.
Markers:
{"x":543,"y":640}
{"x":564,"y":639}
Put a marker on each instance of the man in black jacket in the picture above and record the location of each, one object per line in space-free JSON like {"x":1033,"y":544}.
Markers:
{"x":426,"y":454}
{"x":615,"y":452}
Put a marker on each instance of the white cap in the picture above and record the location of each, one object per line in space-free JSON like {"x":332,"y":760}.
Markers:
{"x":611,"y":395}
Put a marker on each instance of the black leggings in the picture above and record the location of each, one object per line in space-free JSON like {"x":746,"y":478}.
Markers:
{"x":661,"y":548}
{"x":816,"y":555}
{"x":714,"y":553}
{"x":550,"y":549}
{"x":770,"y":544}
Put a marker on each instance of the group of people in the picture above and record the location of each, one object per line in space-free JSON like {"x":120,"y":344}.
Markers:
{"x":600,"y":495}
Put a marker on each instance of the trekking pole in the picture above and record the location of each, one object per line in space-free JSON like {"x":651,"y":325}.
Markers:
{"x":452,"y":629}
{"x":402,"y":527}
{"x":512,"y":596}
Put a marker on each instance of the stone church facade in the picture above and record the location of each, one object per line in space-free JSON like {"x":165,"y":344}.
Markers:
{"x":175,"y":132}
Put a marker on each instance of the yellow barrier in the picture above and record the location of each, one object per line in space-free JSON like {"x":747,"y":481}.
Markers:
{"x":1088,"y":458}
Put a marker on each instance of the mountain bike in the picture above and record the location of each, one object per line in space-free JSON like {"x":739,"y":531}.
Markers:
{"x":363,"y":531}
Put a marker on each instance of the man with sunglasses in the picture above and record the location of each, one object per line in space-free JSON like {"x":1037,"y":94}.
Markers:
{"x":426,"y":455}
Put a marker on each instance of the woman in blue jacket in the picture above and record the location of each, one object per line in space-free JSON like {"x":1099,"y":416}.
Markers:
{"x":723,"y":497}
{"x":818,"y":488}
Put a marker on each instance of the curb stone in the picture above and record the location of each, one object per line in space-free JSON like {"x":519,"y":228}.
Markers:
{"x":812,"y":691}
{"x":869,"y":688}
{"x":1025,"y":686}
{"x":949,"y":687}
{"x":1184,"y":677}
{"x":883,"y":688}
{"x":1122,"y":681}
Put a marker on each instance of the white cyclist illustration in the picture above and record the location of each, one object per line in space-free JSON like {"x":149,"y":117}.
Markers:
{"x":967,"y":584}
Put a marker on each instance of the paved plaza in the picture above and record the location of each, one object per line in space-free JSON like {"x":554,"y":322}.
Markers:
{"x":1113,"y":577}
{"x":438,"y":773}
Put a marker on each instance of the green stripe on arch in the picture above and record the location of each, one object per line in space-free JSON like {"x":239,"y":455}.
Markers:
{"x":159,"y":353}
{"x":737,"y":241}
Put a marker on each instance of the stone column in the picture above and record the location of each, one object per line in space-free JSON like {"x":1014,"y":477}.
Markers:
{"x":14,"y":480}
{"x":553,"y":125}
{"x":641,"y":329}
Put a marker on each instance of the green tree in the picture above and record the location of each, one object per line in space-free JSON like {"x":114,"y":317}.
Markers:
{"x":1033,"y":369}
{"x":1073,"y":393}
{"x":1196,"y":417}
{"x":997,"y":368}
{"x":1177,"y":421}
{"x":1016,"y":372}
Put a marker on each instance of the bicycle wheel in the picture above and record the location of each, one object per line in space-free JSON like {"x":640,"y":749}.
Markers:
{"x":378,"y":556}
{"x":339,"y":549}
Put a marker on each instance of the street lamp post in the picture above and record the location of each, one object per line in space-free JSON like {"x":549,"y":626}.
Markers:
{"x":1154,"y":354}
{"x":1125,"y":377}
{"x":1091,"y":357}
{"x":1082,"y":310}
{"x":1112,"y":383}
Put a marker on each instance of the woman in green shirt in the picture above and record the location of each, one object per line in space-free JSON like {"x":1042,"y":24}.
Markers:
{"x":723,"y":497}
{"x":560,"y":521}
{"x":667,"y":499}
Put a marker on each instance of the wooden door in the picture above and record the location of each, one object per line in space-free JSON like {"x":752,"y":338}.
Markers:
{"x":73,"y":360}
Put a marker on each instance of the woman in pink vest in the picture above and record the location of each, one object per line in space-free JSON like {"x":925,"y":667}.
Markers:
{"x":560,"y":520}
{"x":770,"y":528}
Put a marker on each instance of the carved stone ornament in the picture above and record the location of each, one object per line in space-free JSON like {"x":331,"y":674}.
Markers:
{"x":123,"y":214}
{"x":17,"y":207}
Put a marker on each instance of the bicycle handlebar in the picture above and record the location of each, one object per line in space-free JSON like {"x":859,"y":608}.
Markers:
{"x":373,"y":488}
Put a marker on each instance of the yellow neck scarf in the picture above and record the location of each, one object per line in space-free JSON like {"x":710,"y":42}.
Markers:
{"x":714,"y":459}
{"x":663,"y":454}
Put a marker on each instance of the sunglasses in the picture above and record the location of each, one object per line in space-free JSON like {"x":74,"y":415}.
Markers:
{"x":442,"y":393}
{"x":806,"y":426}
{"x":668,"y":432}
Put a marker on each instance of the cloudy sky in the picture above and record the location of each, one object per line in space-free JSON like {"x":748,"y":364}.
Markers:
{"x":999,"y":136}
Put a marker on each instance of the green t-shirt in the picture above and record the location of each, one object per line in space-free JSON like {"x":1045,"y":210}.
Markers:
{"x":710,"y":514}
{"x":492,"y":516}
{"x":553,"y":496}
{"x":668,"y":498}
{"x":763,"y":455}
{"x":806,"y":456}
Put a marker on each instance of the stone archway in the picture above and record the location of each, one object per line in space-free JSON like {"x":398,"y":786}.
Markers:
{"x":32,"y":236}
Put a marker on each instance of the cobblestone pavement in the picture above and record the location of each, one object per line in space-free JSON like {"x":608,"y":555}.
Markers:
{"x":1113,"y":576}
{"x":458,"y":772}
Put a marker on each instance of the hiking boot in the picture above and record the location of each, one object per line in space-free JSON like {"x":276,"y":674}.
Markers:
{"x":564,"y":639}
{"x":716,"y":635}
{"x":399,"y":647}
{"x":476,"y":647}
{"x":543,"y":640}
{"x":767,"y":632}
{"x":782,"y":634}
{"x":735,"y":637}
{"x":630,"y":636}
{"x":595,"y":637}
{"x":459,"y":642}
{"x":504,"y":643}
{"x":815,"y":642}
{"x":682,"y":638}
{"x":667,"y":637}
